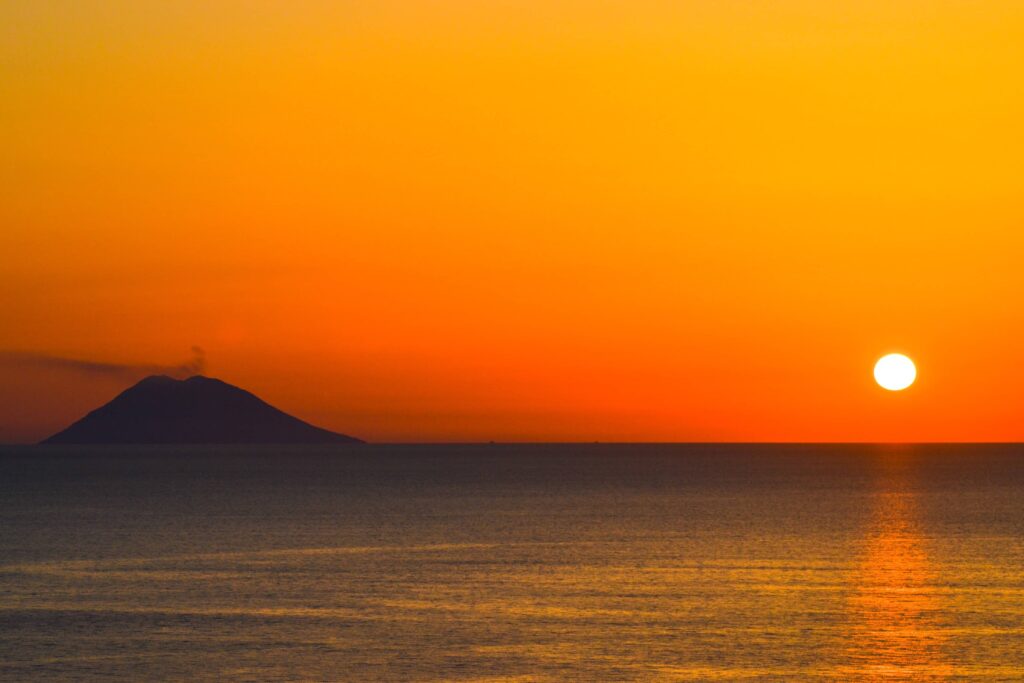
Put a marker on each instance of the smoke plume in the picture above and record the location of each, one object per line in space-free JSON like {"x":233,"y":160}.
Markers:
{"x":121,"y":371}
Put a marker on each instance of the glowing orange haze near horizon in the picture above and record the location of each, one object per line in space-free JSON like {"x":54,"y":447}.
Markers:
{"x":524,"y":220}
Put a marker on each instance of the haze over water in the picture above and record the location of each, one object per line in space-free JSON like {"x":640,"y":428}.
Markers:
{"x":581,"y":562}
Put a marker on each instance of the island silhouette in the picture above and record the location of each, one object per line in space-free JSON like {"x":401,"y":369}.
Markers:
{"x":197,"y":410}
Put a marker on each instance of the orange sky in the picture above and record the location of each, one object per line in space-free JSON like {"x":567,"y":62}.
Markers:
{"x":522,"y":220}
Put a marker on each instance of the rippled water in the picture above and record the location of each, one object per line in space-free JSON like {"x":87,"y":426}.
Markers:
{"x":531,"y":563}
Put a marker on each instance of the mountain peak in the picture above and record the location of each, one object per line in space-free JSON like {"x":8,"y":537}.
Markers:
{"x":161,"y":409}
{"x":156,"y":379}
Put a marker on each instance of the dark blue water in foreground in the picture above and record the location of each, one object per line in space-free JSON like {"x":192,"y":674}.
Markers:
{"x":525,"y":563}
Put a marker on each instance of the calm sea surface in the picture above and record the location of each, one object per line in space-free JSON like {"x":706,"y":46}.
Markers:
{"x":513,"y":563}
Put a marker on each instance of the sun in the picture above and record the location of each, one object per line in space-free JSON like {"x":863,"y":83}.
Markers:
{"x":895,"y":372}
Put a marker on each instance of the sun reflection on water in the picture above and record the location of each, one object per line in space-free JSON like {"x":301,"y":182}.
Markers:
{"x":896,"y":612}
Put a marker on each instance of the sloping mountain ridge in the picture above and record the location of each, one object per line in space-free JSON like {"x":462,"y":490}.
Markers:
{"x":197,"y":410}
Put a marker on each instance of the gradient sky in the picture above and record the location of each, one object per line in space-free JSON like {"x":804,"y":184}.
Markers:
{"x":521,"y":219}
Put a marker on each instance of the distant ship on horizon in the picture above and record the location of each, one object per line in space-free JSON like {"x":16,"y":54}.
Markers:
{"x":197,"y":410}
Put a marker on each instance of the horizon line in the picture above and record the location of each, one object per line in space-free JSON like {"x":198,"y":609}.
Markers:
{"x":549,"y":443}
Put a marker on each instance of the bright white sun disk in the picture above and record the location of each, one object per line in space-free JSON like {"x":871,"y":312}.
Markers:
{"x":895,"y":372}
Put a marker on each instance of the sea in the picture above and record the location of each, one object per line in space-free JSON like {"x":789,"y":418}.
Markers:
{"x":495,"y":562}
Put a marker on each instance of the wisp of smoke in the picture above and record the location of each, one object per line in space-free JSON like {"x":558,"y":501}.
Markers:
{"x":125,"y":371}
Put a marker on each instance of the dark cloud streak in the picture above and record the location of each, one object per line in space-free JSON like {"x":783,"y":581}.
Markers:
{"x":122,"y":371}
